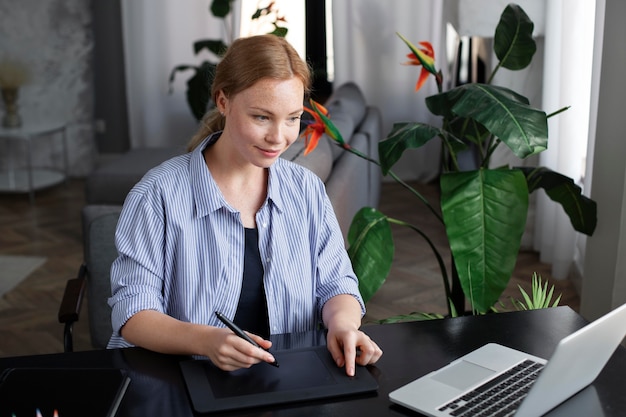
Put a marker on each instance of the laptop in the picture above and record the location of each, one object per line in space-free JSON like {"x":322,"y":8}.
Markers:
{"x":533,"y":385}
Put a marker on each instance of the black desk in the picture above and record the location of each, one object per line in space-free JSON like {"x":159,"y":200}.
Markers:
{"x":411,"y":350}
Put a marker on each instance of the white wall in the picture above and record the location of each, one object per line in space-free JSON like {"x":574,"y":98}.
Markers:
{"x":604,"y":282}
{"x":53,"y":38}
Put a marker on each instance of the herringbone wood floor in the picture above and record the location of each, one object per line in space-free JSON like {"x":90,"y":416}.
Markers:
{"x":51,"y":228}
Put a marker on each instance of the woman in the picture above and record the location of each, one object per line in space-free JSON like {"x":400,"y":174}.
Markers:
{"x":231,"y":227}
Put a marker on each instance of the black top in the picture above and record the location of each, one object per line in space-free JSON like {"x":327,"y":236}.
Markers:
{"x":252,"y":308}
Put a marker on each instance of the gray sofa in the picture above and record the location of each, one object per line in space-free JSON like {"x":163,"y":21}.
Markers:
{"x":351,"y":182}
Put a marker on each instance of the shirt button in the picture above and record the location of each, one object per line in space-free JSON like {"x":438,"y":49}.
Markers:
{"x":268,"y":260}
{"x":264,"y":225}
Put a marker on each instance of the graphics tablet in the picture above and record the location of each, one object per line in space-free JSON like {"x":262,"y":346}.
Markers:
{"x":304,"y":374}
{"x":72,"y":392}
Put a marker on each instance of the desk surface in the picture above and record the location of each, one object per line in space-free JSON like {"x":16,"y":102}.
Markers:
{"x":410,"y":350}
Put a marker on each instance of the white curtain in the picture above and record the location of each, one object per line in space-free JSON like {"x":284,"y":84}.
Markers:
{"x":567,"y":82}
{"x":158,"y":36}
{"x":368,"y":52}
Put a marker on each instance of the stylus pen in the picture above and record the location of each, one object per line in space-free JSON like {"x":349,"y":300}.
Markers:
{"x":232,"y":326}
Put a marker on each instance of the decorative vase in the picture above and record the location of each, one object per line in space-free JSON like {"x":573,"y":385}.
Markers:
{"x":11,"y":118}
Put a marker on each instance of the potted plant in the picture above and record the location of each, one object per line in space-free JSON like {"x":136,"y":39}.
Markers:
{"x":199,"y":84}
{"x":484,"y":210}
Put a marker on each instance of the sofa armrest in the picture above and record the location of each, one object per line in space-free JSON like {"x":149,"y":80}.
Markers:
{"x":69,"y":310}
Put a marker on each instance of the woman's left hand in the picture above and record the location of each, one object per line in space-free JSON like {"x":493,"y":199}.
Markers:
{"x":347,"y":344}
{"x":350,"y":346}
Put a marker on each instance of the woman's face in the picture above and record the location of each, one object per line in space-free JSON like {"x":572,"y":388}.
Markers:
{"x":263,"y":120}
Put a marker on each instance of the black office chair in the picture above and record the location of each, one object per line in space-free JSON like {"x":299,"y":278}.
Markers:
{"x":99,"y":223}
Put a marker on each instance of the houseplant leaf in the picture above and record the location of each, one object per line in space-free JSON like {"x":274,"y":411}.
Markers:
{"x":198,"y":86}
{"x":370,"y":249}
{"x":513,"y":42}
{"x":403,"y":136}
{"x":582,"y":211}
{"x":485,"y":213}
{"x":198,"y":89}
{"x":220,"y":8}
{"x":217,"y":46}
{"x":506,"y":114}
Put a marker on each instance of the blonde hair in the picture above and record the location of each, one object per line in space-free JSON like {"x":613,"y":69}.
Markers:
{"x":246,"y":61}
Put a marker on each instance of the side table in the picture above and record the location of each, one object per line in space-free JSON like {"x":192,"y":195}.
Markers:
{"x":31,"y":178}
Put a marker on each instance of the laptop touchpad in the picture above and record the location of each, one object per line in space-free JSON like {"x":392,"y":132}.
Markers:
{"x":462,"y":375}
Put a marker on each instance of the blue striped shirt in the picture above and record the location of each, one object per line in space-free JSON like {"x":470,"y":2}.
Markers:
{"x":181,"y":248}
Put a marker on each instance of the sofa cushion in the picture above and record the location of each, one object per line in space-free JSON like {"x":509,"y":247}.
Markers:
{"x":345,"y":124}
{"x":110,"y":183}
{"x":320,"y":161}
{"x":349,"y":99}
{"x":349,"y":188}
{"x":346,"y":108}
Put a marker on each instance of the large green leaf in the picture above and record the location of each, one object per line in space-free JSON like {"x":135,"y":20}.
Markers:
{"x":506,"y":114}
{"x":403,"y":136}
{"x":370,"y":249}
{"x":198,"y":86}
{"x":220,"y":8}
{"x":485,"y":214}
{"x":582,"y":211}
{"x":513,"y":42}
{"x":199,"y":89}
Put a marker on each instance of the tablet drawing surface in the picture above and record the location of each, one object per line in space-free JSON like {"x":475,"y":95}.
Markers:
{"x":304,"y":374}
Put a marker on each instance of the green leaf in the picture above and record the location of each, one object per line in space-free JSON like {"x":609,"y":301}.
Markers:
{"x":415,"y":316}
{"x":198,"y":86}
{"x":217,"y":46}
{"x":257,"y":14}
{"x":485,"y":213}
{"x":180,"y":68}
{"x":220,"y":8}
{"x":199,"y":89}
{"x":370,"y":249}
{"x":513,"y":42}
{"x":506,"y":114}
{"x":541,"y":296}
{"x":403,"y":136}
{"x":582,"y":211}
{"x":279,"y":31}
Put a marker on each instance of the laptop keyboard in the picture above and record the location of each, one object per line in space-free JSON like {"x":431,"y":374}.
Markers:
{"x":499,"y":397}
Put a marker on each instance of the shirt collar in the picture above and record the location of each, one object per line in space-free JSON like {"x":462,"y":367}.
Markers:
{"x":274,"y":195}
{"x":207,"y":194}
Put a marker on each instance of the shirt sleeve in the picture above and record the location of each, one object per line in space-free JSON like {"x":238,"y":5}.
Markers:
{"x":335,"y":274}
{"x":137,"y":273}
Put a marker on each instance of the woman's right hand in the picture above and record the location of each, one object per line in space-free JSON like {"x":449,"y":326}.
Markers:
{"x":230,"y":352}
{"x":162,"y":333}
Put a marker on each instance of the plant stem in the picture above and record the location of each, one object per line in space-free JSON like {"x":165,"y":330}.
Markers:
{"x":492,"y":148}
{"x":493,"y":73}
{"x":417,"y":194}
{"x":446,"y":145}
{"x":397,"y":179}
{"x":561,"y":110}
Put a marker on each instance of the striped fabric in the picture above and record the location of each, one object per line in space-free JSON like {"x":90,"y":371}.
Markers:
{"x":181,"y":248}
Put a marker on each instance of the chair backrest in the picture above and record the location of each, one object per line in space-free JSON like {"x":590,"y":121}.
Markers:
{"x":99,"y":223}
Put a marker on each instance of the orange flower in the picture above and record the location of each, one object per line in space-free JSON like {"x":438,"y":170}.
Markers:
{"x":318,"y":127}
{"x":313,"y":131}
{"x":425,"y":57}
